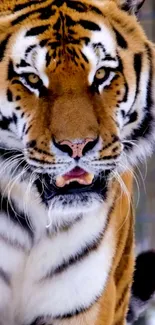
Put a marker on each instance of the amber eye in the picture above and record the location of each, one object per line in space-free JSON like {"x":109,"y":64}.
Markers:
{"x":100,"y":74}
{"x":33,"y":78}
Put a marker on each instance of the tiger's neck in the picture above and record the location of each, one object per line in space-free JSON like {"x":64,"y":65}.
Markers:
{"x":44,"y":261}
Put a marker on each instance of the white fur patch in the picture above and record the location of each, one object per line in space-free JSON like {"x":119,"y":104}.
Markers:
{"x":76,"y":284}
{"x":36,"y":57}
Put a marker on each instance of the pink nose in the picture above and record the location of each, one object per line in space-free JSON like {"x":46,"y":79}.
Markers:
{"x":78,"y":149}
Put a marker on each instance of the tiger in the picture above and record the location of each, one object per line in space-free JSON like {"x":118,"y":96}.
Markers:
{"x":77,"y":114}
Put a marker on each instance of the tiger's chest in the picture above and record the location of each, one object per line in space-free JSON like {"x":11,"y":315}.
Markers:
{"x":59,"y":275}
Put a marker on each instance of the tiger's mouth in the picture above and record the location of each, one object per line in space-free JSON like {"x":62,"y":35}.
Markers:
{"x":75,"y":175}
{"x":75,"y":183}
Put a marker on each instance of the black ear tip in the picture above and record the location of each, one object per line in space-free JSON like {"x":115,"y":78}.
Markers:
{"x":143,"y":287}
{"x":144,"y":276}
{"x":140,"y":4}
{"x":132,"y":6}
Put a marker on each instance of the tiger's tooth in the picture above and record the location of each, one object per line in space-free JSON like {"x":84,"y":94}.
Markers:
{"x":60,"y":181}
{"x":79,"y":180}
{"x":89,"y":178}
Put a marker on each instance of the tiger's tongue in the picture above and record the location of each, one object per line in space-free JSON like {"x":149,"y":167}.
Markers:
{"x":76,"y":175}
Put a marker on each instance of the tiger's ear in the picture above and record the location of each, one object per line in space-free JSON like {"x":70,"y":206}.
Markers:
{"x":132,"y":6}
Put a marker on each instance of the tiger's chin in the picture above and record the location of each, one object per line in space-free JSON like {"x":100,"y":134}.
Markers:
{"x":73,"y":198}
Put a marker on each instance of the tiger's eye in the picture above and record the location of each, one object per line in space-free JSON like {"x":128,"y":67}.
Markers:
{"x":33,"y":78}
{"x":100,"y":73}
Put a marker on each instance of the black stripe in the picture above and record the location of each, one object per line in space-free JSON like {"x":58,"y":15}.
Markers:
{"x":9,"y":95}
{"x":84,"y":57}
{"x":145,"y":128}
{"x":17,"y":82}
{"x":86,"y":40}
{"x":11,"y":71}
{"x":73,"y":52}
{"x":23,"y":63}
{"x":125,"y":97}
{"x":122,"y":298}
{"x":45,"y":13}
{"x":84,"y":252}
{"x":77,"y":311}
{"x":121,"y":68}
{"x":5,"y":122}
{"x":18,"y":98}
{"x":39,"y":320}
{"x":11,"y":211}
{"x":3,"y":46}
{"x":87,"y":24}
{"x":43,"y":152}
{"x":149,"y":97}
{"x":96,"y":10}
{"x":41,"y":11}
{"x":109,"y":157}
{"x":109,"y":58}
{"x":77,"y":258}
{"x":81,"y":7}
{"x":18,"y":20}
{"x":54,"y":45}
{"x":120,"y":39}
{"x":58,"y":3}
{"x":14,"y":243}
{"x":43,"y":42}
{"x":31,"y":144}
{"x":115,"y":139}
{"x":28,"y":4}
{"x":132,"y":117}
{"x":29,"y":49}
{"x":77,"y":5}
{"x":34,"y":31}
{"x":5,"y":277}
{"x":138,"y":68}
{"x":48,"y":59}
{"x":40,"y":161}
{"x":23,"y":130}
{"x":14,"y":118}
{"x":69,"y":21}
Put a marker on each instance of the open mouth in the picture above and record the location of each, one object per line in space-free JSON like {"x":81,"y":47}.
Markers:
{"x":76,"y":182}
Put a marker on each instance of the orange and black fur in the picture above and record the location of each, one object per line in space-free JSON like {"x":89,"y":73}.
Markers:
{"x":77,"y":113}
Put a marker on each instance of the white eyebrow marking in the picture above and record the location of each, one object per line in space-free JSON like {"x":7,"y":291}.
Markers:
{"x":36,"y":57}
{"x":101,"y":51}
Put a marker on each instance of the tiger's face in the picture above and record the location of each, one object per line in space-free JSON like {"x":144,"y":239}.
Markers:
{"x":75,"y":96}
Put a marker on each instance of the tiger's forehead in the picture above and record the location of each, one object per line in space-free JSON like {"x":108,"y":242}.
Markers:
{"x":36,"y":47}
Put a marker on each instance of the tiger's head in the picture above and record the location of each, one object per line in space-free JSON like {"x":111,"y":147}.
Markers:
{"x":76,"y":95}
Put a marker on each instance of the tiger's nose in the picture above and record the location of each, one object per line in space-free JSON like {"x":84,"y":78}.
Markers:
{"x":77,"y":149}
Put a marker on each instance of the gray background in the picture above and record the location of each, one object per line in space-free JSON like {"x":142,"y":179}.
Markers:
{"x":145,"y":216}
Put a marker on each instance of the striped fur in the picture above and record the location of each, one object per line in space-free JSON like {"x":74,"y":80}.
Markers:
{"x":66,"y":254}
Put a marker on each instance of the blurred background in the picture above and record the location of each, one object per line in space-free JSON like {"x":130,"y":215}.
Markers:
{"x":145,"y":191}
